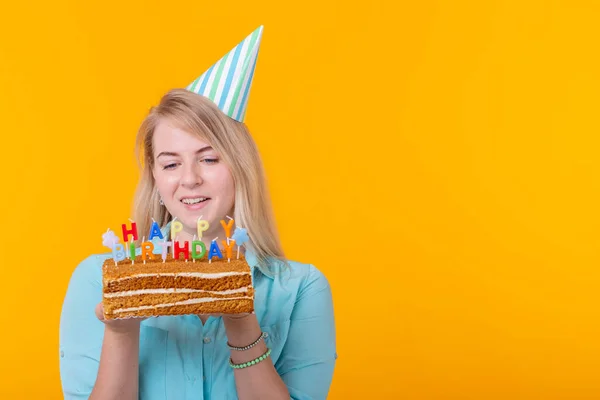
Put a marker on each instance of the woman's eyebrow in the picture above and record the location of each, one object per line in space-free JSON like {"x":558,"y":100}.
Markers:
{"x":170,"y":153}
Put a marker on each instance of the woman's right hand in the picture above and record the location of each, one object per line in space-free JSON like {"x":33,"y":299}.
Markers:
{"x":118,"y":373}
{"x":123,"y":325}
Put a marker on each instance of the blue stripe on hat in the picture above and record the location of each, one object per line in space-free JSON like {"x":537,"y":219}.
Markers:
{"x":205,"y":80}
{"x":232,"y":68}
{"x":245,"y":98}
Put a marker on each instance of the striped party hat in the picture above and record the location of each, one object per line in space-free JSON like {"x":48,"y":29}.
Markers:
{"x":227,"y":83}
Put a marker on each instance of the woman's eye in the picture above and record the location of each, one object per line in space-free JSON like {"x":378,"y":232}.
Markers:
{"x":210,"y":160}
{"x":169,"y":166}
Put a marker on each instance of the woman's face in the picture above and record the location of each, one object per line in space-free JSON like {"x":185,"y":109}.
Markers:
{"x":191,"y":178}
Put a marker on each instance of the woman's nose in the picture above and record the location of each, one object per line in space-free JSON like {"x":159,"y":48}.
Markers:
{"x":192,"y":176}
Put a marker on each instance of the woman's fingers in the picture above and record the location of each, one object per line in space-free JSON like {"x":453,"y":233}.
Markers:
{"x":100,"y":311}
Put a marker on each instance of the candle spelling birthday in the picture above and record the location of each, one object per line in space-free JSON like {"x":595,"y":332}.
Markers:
{"x":156,"y":278}
{"x":195,"y":250}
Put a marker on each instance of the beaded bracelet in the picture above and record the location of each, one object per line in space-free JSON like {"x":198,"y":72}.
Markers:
{"x":250,"y":363}
{"x":251,"y":345}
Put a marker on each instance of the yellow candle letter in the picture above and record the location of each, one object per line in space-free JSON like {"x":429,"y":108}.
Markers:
{"x":202,"y":226}
{"x":176,"y":227}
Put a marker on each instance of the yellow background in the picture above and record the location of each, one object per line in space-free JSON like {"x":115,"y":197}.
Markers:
{"x":437,"y":160}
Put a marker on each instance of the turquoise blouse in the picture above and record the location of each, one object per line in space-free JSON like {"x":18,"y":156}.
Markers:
{"x":180,"y":358}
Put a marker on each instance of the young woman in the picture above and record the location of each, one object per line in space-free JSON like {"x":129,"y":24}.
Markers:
{"x":197,"y":161}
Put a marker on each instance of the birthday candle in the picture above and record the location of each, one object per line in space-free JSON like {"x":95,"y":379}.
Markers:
{"x":155,"y":231}
{"x":173,"y":246}
{"x":110,"y":240}
{"x":118,"y":252}
{"x":201,"y":226}
{"x":132,"y":251}
{"x":214,"y":250}
{"x":165,"y":249}
{"x":227,"y":245}
{"x":227,"y":226}
{"x":127,"y":232}
{"x":147,"y":248}
{"x":176,"y":227}
{"x":185,"y":250}
{"x":240,"y":235}
{"x":195,"y":254}
{"x":193,"y":240}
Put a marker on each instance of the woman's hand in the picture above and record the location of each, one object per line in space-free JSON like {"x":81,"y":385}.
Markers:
{"x":118,"y":373}
{"x":123,"y":325}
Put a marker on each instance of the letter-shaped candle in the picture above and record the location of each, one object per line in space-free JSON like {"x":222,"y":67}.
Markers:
{"x":176,"y":227}
{"x":165,"y":249}
{"x":127,"y":232}
{"x":228,"y":247}
{"x":185,"y":250}
{"x":132,"y":251}
{"x":155,"y":231}
{"x":227,"y":227}
{"x":147,"y":248}
{"x":202,"y":226}
{"x":118,"y":252}
{"x":214,"y":250}
{"x":195,"y":254}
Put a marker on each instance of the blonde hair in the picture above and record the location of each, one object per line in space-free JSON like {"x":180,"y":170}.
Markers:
{"x":232,"y":141}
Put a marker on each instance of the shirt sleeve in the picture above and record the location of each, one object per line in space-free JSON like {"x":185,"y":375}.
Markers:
{"x":81,"y":333}
{"x":308,"y":357}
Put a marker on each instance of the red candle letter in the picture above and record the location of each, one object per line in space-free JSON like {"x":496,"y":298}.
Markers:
{"x":127,"y":232}
{"x":185,"y":250}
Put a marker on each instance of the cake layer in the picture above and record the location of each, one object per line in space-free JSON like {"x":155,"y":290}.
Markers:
{"x":173,"y":290}
{"x":147,"y":281}
{"x":231,"y":306}
{"x":136,"y":300}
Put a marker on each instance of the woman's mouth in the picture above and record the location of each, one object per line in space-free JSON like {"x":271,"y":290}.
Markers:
{"x":194,"y":203}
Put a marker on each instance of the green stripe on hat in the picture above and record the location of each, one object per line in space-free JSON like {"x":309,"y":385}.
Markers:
{"x":239,"y":74}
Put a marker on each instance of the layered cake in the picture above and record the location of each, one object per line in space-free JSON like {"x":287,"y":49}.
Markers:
{"x":152,"y":287}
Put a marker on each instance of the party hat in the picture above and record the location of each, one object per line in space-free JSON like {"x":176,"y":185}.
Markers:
{"x":227,"y":83}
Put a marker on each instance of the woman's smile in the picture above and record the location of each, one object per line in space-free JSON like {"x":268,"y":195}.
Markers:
{"x":193,"y":203}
